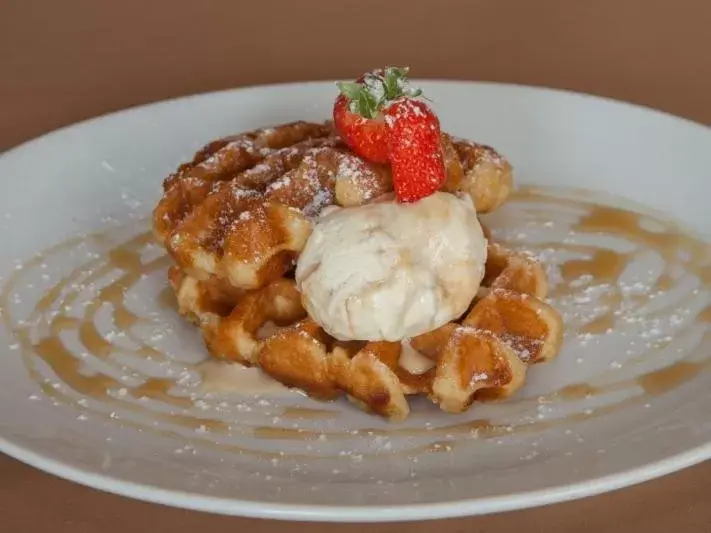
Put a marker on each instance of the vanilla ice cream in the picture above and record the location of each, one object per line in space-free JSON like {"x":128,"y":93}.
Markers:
{"x":389,"y":271}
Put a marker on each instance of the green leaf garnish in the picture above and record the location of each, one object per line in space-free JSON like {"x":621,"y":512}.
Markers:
{"x":350,"y":89}
{"x":393,"y":80}
{"x":377,"y":90}
{"x":367,"y":104}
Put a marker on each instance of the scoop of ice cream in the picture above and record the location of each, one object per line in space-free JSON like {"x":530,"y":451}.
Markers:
{"x":389,"y":271}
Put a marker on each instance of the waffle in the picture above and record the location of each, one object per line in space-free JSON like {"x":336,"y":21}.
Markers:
{"x":235,"y":219}
{"x":241,"y":210}
{"x":482,"y":356}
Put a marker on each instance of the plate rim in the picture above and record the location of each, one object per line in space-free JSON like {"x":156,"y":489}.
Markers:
{"x":356,"y":513}
{"x":293,"y":84}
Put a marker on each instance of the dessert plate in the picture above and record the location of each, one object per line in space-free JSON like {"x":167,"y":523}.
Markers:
{"x":102,"y":383}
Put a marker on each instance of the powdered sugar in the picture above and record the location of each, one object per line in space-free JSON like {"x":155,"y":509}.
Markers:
{"x":358,"y":182}
{"x":478,"y":377}
{"x":321,"y":199}
{"x":375,"y":87}
{"x":349,"y":167}
{"x":282,"y":183}
{"x":240,"y":193}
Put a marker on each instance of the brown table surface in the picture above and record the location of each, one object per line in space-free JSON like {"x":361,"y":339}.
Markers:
{"x":70,"y":60}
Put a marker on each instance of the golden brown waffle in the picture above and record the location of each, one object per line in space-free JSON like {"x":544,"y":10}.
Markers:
{"x":241,"y":210}
{"x":235,"y":219}
{"x":484,"y":355}
{"x":485,"y":175}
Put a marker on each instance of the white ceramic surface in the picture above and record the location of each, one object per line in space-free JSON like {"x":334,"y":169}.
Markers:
{"x":259,"y":456}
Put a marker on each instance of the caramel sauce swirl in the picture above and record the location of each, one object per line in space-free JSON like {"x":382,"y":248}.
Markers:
{"x":658,"y":314}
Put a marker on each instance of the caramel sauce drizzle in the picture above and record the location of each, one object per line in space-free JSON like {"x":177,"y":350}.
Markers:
{"x":605,"y":266}
{"x":599,"y":266}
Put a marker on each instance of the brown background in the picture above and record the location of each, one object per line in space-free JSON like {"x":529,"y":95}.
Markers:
{"x":70,"y":60}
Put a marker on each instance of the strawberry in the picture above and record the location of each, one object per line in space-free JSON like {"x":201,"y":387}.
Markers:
{"x":414,"y":149}
{"x":358,"y":110}
{"x":367,"y":137}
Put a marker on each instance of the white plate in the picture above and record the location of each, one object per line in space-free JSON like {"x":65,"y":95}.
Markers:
{"x":284,"y":456}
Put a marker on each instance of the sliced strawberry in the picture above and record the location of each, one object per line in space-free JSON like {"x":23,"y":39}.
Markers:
{"x":415,"y":149}
{"x":357,"y":112}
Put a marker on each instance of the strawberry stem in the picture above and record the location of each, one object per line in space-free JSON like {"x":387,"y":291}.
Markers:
{"x":377,"y":89}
